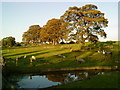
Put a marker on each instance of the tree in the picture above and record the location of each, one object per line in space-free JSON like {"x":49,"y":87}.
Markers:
{"x":32,"y":35}
{"x":8,"y":41}
{"x":87,"y":23}
{"x":54,"y":31}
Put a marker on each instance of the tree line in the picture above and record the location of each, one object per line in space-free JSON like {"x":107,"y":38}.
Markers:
{"x":77,"y":24}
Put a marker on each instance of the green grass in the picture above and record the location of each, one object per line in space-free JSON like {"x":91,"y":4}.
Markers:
{"x":108,"y":80}
{"x":47,"y":59}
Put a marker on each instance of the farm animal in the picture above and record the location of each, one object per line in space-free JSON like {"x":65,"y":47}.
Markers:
{"x":99,"y":51}
{"x":61,"y":56}
{"x":25,"y":56}
{"x":106,"y":53}
{"x":79,"y":59}
{"x":116,"y":67}
{"x":32,"y":58}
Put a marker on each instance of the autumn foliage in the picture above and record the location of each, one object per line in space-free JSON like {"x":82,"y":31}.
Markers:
{"x":77,"y":23}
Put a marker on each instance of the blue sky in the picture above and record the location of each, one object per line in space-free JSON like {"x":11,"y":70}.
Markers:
{"x":18,"y":16}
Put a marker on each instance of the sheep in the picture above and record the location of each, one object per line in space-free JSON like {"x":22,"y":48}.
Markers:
{"x":105,"y":53}
{"x":61,"y":56}
{"x":25,"y":56}
{"x":116,"y":67}
{"x":99,"y":51}
{"x":79,"y":60}
{"x":32,"y":58}
{"x":109,"y":53}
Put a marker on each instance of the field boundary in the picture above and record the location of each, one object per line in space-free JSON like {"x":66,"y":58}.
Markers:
{"x":83,"y":68}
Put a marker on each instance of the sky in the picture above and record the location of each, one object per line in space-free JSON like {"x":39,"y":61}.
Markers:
{"x":18,"y":16}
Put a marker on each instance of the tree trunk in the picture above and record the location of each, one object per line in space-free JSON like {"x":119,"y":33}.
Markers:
{"x":53,"y":41}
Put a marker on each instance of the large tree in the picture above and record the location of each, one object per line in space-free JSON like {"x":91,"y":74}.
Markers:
{"x":87,"y":23}
{"x":32,"y":35}
{"x":54,"y":31}
{"x":8,"y":41}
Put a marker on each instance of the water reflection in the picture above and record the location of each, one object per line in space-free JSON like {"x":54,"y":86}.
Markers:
{"x":36,"y":82}
{"x":49,"y":79}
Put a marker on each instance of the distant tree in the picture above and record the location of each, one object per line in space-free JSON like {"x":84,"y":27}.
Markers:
{"x":32,"y":35}
{"x":8,"y":41}
{"x":54,"y":31}
{"x":87,"y":23}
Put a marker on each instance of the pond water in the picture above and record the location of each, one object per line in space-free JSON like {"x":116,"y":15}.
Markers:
{"x":49,"y":79}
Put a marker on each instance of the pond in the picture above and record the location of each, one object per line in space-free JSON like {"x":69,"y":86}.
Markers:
{"x":47,"y":79}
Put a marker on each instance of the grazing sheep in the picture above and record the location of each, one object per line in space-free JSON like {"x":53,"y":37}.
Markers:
{"x":116,"y":67}
{"x":99,"y":51}
{"x":61,"y":56}
{"x":104,"y":52}
{"x":25,"y":56}
{"x":79,"y":60}
{"x":33,"y":58}
{"x":107,"y":53}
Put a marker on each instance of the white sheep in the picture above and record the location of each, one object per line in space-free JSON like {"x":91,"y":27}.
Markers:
{"x":61,"y":56}
{"x":33,"y":58}
{"x":98,"y":51}
{"x":25,"y":56}
{"x":104,"y":52}
{"x":109,"y":53}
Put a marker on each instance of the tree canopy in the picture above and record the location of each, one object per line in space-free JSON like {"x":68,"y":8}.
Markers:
{"x":77,"y":23}
{"x":54,"y":31}
{"x":32,"y":35}
{"x":8,"y":41}
{"x":86,"y":21}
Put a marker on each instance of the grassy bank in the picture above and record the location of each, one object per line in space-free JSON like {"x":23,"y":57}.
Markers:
{"x":108,"y":80}
{"x":47,"y":57}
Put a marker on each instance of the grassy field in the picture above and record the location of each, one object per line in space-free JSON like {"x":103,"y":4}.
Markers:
{"x":47,"y":56}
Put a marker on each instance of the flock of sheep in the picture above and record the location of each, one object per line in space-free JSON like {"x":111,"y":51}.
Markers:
{"x":3,"y":61}
{"x":80,"y":60}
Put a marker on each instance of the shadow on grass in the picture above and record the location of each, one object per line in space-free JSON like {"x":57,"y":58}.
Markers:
{"x":23,"y":53}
